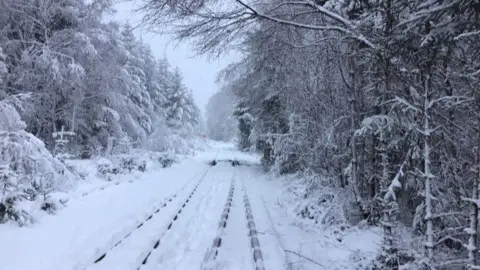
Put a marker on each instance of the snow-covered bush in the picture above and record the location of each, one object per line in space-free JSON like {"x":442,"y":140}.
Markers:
{"x":146,"y":160}
{"x":28,"y":171}
{"x":97,"y":168}
{"x":11,"y":189}
{"x":139,"y":160}
{"x":317,"y":204}
{"x":106,"y":168}
{"x":324,"y":208}
{"x":166,"y":160}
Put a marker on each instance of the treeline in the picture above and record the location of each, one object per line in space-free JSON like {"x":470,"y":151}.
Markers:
{"x":380,"y":97}
{"x":75,"y":86}
{"x":220,"y":122}
{"x":93,"y":78}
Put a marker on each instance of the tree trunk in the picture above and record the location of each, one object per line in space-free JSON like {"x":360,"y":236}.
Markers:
{"x":353,"y":145}
{"x":427,"y":172}
{"x":388,"y":211}
{"x":472,"y":231}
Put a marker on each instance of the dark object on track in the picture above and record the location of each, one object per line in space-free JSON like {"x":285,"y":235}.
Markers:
{"x":235,"y":163}
{"x":213,"y":163}
{"x":3,"y":210}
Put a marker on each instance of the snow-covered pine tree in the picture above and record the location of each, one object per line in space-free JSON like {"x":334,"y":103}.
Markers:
{"x":244,"y":126}
{"x":24,"y":159}
{"x":9,"y":196}
{"x":176,"y":100}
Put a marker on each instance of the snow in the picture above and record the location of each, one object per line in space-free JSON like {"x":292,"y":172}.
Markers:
{"x":298,"y":244}
{"x":233,"y":236}
{"x":168,"y":218}
{"x":135,"y":248}
{"x":90,"y":224}
{"x":390,"y":194}
{"x":196,"y":227}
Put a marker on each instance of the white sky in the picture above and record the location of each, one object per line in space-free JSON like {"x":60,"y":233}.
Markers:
{"x":199,"y":73}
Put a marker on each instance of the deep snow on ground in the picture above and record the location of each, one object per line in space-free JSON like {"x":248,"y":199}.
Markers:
{"x":168,"y":219}
{"x":303,"y":244}
{"x":90,"y":223}
{"x":234,"y":240}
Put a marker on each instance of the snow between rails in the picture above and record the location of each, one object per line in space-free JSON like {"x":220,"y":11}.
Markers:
{"x":211,"y":255}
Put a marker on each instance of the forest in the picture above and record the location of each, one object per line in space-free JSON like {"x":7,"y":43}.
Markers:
{"x":375,"y":102}
{"x":376,"y":99}
{"x":73,"y":86}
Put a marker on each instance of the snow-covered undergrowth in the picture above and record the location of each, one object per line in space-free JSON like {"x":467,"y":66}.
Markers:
{"x":320,"y":235}
{"x":38,"y":193}
{"x":74,"y":237}
{"x":29,"y":173}
{"x":34,"y":183}
{"x":100,"y":172}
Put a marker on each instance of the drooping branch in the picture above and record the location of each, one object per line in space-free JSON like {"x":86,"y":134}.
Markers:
{"x":204,"y":20}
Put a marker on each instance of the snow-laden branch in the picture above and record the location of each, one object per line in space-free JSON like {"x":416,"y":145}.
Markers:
{"x":424,"y":12}
{"x":474,"y":73}
{"x":348,"y":29}
{"x":428,"y":132}
{"x":408,"y":105}
{"x":457,"y":99}
{"x":312,"y":4}
{"x":395,"y":185}
{"x":467,"y":34}
{"x":374,"y":124}
{"x":474,"y":201}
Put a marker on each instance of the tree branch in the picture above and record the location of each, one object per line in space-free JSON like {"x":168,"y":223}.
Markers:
{"x":304,"y":257}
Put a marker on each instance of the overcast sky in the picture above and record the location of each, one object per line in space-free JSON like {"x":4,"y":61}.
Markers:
{"x":199,"y":73}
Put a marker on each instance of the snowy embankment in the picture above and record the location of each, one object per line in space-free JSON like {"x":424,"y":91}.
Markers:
{"x":306,"y":242}
{"x":101,"y":173}
{"x":91,"y":224}
{"x":288,"y":237}
{"x":98,"y":211}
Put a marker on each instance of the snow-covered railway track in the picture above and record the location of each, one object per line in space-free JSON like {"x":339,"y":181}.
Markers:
{"x":164,"y":203}
{"x":211,"y":255}
{"x":172,"y":220}
{"x":184,"y":245}
{"x":232,"y":247}
{"x":135,"y":236}
{"x":253,"y":235}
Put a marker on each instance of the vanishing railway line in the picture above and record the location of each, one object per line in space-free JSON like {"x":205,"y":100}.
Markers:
{"x":146,"y":243}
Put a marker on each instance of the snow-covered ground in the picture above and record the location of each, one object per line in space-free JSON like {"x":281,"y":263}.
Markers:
{"x":188,"y":216}
{"x":300,"y":242}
